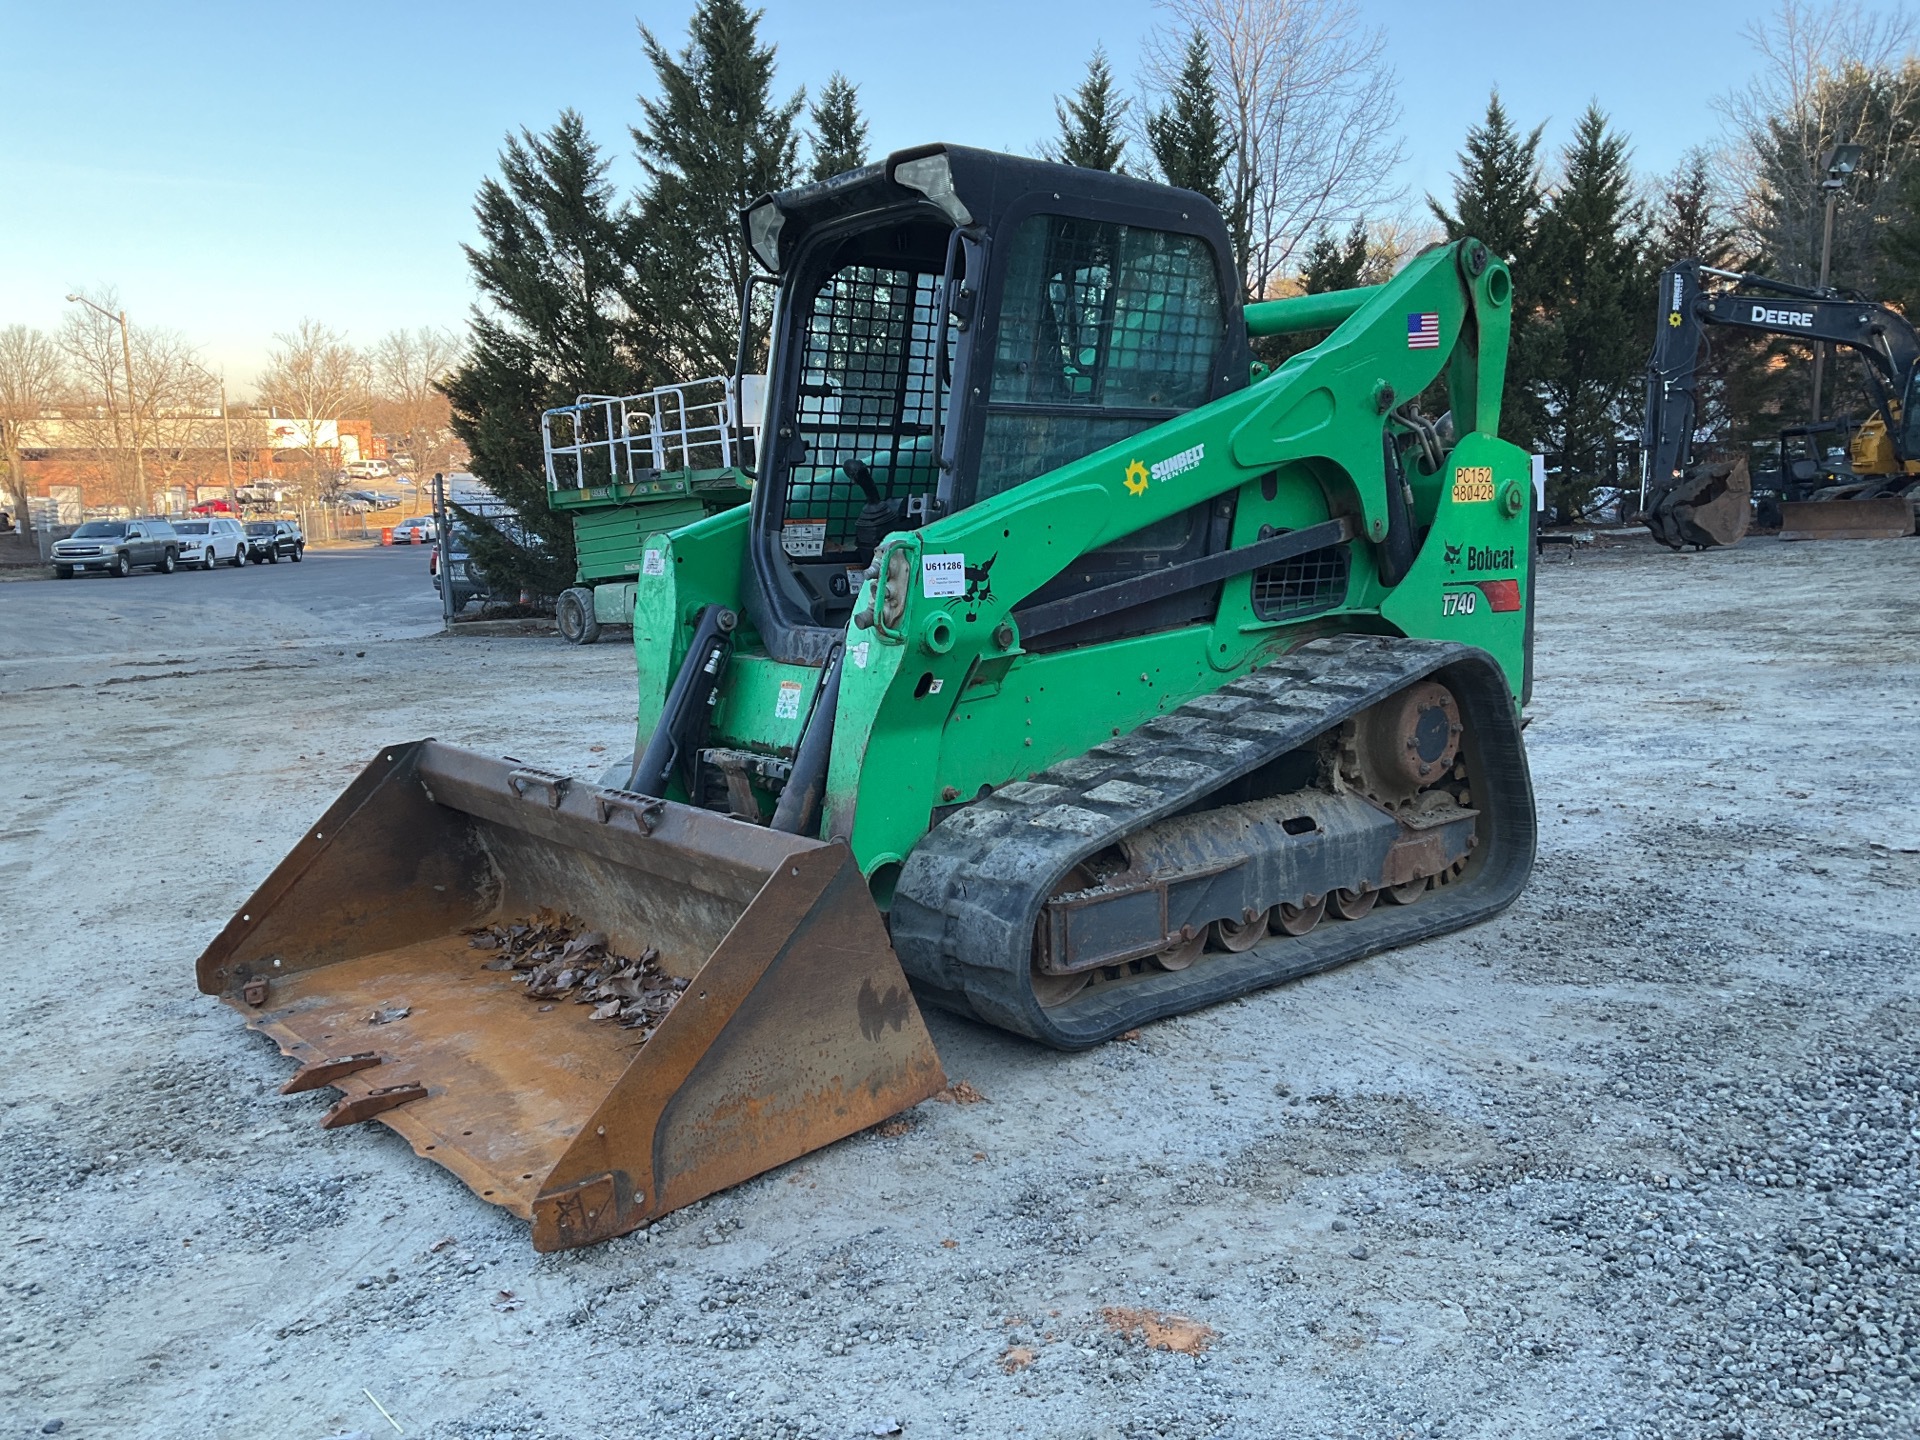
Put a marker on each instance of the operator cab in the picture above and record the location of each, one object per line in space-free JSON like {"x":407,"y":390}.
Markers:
{"x":952,"y":323}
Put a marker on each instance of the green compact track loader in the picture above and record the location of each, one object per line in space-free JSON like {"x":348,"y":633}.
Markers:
{"x":1068,"y":669}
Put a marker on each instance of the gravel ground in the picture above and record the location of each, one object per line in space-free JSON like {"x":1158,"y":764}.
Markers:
{"x":1637,"y":1159}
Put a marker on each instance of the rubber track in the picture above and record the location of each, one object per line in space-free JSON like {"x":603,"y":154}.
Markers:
{"x":968,"y":897}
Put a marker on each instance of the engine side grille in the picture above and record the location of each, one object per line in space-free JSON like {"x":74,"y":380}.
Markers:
{"x":1304,"y":585}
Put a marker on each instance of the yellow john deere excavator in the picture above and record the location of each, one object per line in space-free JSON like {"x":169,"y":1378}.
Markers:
{"x":1705,"y":505}
{"x":1066,"y":670}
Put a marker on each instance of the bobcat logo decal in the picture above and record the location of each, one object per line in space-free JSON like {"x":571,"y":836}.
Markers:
{"x":980,"y":581}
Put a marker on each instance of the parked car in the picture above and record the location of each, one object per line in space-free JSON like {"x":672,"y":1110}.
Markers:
{"x":373,"y":499}
{"x":117,"y":547}
{"x":269,"y":540}
{"x":469,"y":581}
{"x":368,"y":469}
{"x":207,"y":542}
{"x":415,"y":530}
{"x":213,"y":507}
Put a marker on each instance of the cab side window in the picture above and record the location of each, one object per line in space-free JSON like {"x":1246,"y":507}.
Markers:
{"x":1105,"y":330}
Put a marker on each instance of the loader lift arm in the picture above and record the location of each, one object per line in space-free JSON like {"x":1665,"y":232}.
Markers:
{"x":1677,"y":501}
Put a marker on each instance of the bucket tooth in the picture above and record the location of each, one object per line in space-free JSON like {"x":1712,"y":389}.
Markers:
{"x":315,"y":1073}
{"x":353,"y":1109}
{"x":793,"y":1025}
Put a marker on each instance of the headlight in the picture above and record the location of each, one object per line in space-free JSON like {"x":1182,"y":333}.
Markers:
{"x":932,"y":176}
{"x":764,"y":224}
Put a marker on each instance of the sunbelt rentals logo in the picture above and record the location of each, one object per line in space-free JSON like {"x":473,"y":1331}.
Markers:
{"x":1139,"y":474}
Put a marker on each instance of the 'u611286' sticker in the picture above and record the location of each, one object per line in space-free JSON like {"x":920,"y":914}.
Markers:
{"x":1472,"y":484}
{"x":943,"y":577}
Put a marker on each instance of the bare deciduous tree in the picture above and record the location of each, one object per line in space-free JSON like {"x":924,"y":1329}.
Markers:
{"x":314,"y":378}
{"x":95,"y":421}
{"x":1310,"y":112}
{"x":408,"y":366}
{"x":1829,"y":74}
{"x":166,"y":415}
{"x":33,"y":376}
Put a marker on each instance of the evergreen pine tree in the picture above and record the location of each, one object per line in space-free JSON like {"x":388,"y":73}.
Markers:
{"x":1599,"y":306}
{"x":552,"y":255}
{"x":839,"y":136}
{"x":1739,"y":394}
{"x":712,"y":141}
{"x":1188,"y":141}
{"x":1688,"y":218}
{"x":1498,"y":192}
{"x":1900,"y":245}
{"x":1090,"y":120}
{"x":1497,"y":198}
{"x":1335,"y":264}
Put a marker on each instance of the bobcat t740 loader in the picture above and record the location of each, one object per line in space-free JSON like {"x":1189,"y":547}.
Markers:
{"x":1067,"y":670}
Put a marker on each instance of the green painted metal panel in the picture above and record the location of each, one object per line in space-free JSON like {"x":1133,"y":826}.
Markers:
{"x":765,"y":704}
{"x":608,"y":542}
{"x":695,"y":566}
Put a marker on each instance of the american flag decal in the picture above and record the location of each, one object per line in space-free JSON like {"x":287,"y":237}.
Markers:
{"x":1423,"y":331}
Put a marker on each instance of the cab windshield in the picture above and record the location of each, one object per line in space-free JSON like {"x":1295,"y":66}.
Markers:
{"x":191,"y":527}
{"x":100,"y":530}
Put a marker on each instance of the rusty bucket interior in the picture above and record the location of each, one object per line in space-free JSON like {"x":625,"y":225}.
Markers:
{"x":1889,"y":517}
{"x":794,"y":1028}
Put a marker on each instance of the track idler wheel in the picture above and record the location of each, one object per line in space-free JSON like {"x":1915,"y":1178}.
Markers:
{"x":1298,"y":919}
{"x":1408,"y":893}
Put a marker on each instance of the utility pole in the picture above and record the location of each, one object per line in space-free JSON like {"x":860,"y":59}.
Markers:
{"x":133,"y":409}
{"x":1840,"y":163}
{"x":226,"y":421}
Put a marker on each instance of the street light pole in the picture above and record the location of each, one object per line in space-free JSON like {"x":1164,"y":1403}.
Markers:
{"x":133,"y":409}
{"x":1841,"y":162}
{"x":226,"y":421}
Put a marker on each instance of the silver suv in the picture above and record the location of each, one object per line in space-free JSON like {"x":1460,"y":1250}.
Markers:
{"x":117,"y":547}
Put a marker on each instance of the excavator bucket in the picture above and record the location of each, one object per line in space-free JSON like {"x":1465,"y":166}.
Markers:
{"x":1886,"y":518}
{"x":1710,"y":506}
{"x":593,"y":1007}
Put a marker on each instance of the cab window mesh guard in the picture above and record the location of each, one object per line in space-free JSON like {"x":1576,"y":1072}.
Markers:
{"x":867,"y":392}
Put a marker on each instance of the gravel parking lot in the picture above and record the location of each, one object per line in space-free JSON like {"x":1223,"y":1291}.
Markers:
{"x":1640,"y":1158}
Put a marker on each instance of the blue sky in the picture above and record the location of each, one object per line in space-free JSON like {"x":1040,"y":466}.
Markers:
{"x":233,"y":168}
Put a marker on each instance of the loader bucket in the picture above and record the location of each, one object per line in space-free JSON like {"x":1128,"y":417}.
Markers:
{"x":794,"y":1028}
{"x":1887,"y":518}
